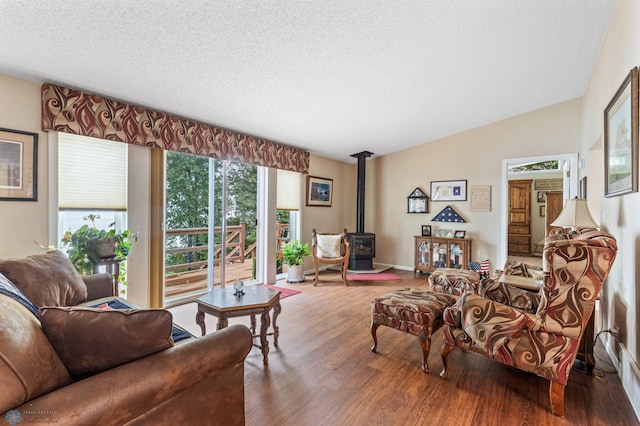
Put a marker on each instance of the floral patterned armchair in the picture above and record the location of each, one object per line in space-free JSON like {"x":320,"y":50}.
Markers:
{"x":545,"y":343}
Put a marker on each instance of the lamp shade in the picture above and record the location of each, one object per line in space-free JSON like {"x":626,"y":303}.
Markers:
{"x":575,"y":214}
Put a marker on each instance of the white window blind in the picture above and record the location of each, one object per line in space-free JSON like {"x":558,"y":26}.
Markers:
{"x":92,"y":173}
{"x":288,"y":190}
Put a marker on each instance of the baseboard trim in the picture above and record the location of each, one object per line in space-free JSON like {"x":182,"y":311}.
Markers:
{"x":628,"y":372}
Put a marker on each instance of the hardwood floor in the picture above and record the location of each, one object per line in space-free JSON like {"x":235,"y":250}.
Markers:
{"x":323,"y":372}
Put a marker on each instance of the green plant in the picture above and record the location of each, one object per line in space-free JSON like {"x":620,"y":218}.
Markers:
{"x":84,"y":246}
{"x":293,"y":252}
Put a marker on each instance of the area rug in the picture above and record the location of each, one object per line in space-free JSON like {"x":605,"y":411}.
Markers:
{"x":383,"y":276}
{"x":284,"y":292}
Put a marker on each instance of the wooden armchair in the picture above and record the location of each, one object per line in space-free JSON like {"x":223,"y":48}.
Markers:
{"x":332,"y":249}
{"x":545,"y":343}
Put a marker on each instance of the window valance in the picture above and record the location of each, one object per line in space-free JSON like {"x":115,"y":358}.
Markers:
{"x":72,"y":111}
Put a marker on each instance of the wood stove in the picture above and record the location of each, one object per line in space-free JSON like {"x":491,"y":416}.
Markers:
{"x":363,"y":244}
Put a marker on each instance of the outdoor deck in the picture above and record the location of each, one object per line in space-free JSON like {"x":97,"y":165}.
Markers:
{"x":192,"y":281}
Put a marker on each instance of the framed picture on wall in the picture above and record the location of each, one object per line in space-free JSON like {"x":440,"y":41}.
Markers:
{"x":449,"y":190}
{"x":319,"y":191}
{"x":18,"y":165}
{"x":541,"y":196}
{"x":426,"y":230}
{"x":621,"y":139}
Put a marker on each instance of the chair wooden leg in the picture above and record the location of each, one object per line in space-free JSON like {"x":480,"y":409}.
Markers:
{"x":444,"y":353}
{"x":315,"y":267}
{"x":426,"y":346}
{"x":556,"y":392}
{"x":344,"y":274}
{"x":374,"y":328}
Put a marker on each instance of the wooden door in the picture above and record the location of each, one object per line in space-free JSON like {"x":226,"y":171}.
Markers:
{"x":519,"y":216}
{"x":554,"y":204}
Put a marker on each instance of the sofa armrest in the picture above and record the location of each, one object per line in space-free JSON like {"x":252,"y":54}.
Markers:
{"x":197,"y":382}
{"x":99,"y":285}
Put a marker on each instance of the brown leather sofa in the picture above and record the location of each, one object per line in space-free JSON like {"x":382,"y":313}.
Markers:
{"x":194,"y":381}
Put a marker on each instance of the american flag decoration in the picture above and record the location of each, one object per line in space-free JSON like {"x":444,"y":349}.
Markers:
{"x":482,"y":268}
{"x":448,"y":214}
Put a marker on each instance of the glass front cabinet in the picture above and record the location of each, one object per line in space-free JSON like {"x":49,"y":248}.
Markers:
{"x":432,"y":253}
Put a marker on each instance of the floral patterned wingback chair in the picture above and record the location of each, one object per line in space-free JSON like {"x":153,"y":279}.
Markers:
{"x":545,"y":343}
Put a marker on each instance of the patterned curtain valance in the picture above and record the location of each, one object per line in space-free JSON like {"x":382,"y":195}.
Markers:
{"x":73,"y":111}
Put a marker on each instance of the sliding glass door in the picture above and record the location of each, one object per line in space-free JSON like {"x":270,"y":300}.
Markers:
{"x":210,"y":226}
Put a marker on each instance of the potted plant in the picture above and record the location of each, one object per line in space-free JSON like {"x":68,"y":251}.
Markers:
{"x":293,"y":254}
{"x":89,"y":245}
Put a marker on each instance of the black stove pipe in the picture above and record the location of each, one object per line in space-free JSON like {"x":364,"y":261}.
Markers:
{"x":362,"y":164}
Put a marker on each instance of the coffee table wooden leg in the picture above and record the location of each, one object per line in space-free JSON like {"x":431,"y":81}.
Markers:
{"x":253,"y":324}
{"x":222,"y":322}
{"x":200,"y":322}
{"x":276,"y":331}
{"x":264,"y":343}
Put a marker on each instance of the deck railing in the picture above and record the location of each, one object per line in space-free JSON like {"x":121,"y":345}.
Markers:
{"x":192,"y":274}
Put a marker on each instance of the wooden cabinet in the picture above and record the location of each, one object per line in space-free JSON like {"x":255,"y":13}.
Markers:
{"x":519,"y":226}
{"x":432,"y":253}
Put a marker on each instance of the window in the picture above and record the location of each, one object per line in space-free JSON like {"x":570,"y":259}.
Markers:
{"x":92,"y":179}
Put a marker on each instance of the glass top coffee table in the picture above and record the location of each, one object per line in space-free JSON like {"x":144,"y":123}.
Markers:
{"x":223,"y":304}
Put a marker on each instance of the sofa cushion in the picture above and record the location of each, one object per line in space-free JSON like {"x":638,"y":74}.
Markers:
{"x":91,"y":340}
{"x":29,"y":365}
{"x":47,"y":279}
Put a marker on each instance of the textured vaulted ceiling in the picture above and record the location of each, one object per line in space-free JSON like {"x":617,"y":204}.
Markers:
{"x":332,"y":76}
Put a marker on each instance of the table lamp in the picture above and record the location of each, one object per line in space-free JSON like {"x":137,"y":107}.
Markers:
{"x":575,"y":214}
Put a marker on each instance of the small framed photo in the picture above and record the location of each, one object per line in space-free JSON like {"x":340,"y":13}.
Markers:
{"x":542,"y":196}
{"x":449,"y":190}
{"x":459,"y":234}
{"x":18,"y":165}
{"x":426,"y":230}
{"x":543,"y":211}
{"x":319,"y":191}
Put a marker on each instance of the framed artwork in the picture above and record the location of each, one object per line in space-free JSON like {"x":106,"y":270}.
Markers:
{"x":621,"y":139}
{"x":543,"y":210}
{"x":426,"y":230}
{"x":449,"y":190}
{"x":582,"y":189}
{"x":541,"y":196}
{"x":18,"y":165}
{"x":319,"y":191}
{"x":459,"y":234}
{"x":417,"y":202}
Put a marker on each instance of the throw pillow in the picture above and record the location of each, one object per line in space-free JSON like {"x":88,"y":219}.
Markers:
{"x":328,"y":246}
{"x":91,"y":340}
{"x":47,"y":279}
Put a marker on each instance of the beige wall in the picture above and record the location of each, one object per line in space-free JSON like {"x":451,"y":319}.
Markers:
{"x":341,"y":214}
{"x":618,"y":215}
{"x":475,"y":156}
{"x":23,"y":222}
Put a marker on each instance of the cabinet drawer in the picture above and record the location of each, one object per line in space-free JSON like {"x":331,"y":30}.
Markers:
{"x":519,"y":249}
{"x":518,"y":229}
{"x":519,"y":239}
